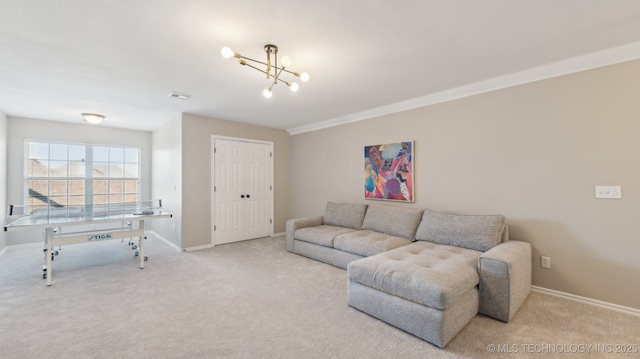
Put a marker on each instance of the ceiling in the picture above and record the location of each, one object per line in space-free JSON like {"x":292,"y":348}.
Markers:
{"x":122,"y":58}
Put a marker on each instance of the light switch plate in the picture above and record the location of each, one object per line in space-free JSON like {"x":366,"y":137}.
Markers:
{"x":609,"y":192}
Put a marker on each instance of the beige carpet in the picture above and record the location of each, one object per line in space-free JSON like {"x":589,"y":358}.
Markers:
{"x":252,"y":300}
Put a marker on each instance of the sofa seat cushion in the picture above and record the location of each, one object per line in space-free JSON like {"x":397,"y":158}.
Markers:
{"x":367,"y":243}
{"x":430,"y":274}
{"x":321,"y":235}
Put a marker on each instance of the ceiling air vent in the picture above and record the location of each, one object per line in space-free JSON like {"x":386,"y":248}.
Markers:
{"x":178,"y":95}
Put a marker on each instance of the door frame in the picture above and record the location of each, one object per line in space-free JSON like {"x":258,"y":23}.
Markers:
{"x":212,"y":179}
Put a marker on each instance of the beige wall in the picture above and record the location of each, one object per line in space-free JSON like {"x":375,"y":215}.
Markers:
{"x":3,"y":178}
{"x":196,"y":173}
{"x":20,"y":129}
{"x":533,"y":152}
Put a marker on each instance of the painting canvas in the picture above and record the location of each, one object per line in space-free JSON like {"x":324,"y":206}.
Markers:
{"x":388,"y":171}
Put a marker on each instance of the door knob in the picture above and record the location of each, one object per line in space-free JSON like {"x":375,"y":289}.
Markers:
{"x":241,"y":196}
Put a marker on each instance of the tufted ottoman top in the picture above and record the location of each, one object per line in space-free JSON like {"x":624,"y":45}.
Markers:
{"x":430,"y":274}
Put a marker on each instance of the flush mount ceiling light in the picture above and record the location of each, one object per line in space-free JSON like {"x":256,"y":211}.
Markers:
{"x":92,"y":118}
{"x":272,"y":70}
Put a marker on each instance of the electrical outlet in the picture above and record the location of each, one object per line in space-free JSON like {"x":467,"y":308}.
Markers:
{"x":545,"y":262}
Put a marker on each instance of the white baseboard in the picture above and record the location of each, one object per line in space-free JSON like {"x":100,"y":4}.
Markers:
{"x":577,"y":298}
{"x":171,"y":244}
{"x":197,"y":248}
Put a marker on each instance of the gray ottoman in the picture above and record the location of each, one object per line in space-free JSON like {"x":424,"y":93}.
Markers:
{"x":426,"y":289}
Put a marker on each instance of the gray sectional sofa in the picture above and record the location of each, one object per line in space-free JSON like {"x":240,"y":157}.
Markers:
{"x":426,"y":272}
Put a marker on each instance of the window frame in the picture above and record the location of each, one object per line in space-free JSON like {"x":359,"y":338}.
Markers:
{"x":89,"y":178}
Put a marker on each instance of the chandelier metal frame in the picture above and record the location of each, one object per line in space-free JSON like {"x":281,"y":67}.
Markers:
{"x":273,"y":70}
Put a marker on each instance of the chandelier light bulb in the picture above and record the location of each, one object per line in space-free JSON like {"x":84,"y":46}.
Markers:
{"x":304,"y":77}
{"x":294,"y":87}
{"x":285,"y":61}
{"x":267,"y":93}
{"x":226,"y":52}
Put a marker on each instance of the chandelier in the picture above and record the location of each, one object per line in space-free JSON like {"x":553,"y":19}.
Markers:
{"x":273,"y":70}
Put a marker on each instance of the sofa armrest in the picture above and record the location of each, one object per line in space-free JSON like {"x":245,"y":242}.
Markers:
{"x":505,"y":279}
{"x":294,"y":224}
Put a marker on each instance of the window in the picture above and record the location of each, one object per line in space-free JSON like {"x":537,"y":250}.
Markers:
{"x":68,"y":174}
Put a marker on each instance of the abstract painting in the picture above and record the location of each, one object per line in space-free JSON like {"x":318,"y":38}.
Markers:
{"x":388,"y":171}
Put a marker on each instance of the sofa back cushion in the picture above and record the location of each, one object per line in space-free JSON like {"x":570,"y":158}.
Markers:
{"x":479,"y":232}
{"x":345,"y":214}
{"x":397,"y":221}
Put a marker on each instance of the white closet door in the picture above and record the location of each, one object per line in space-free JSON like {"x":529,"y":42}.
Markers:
{"x":242,"y":190}
{"x":258,"y":190}
{"x":228,"y":209}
